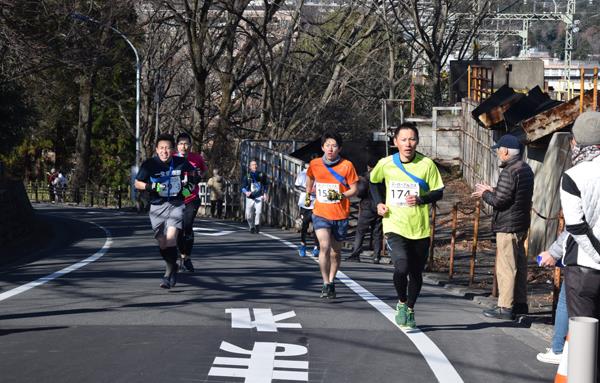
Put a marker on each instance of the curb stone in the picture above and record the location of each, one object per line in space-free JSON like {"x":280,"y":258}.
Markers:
{"x":484,"y":298}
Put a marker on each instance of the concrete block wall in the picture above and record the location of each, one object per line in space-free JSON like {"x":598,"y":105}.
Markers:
{"x":439,"y":136}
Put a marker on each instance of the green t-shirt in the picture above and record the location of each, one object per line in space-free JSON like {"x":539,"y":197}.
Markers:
{"x":410,"y":222}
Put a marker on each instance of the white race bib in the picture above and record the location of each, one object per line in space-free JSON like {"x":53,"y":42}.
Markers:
{"x":173,"y":191}
{"x":397,"y":192}
{"x":322,"y":190}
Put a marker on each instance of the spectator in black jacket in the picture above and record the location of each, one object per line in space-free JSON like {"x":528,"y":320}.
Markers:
{"x":368,"y":219}
{"x":511,"y":200}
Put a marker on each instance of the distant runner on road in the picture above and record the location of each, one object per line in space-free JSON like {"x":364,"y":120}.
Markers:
{"x":305,"y":211}
{"x":255,"y":186}
{"x":185,"y":238}
{"x":412,"y":182}
{"x":165,"y":177}
{"x":334,"y":179}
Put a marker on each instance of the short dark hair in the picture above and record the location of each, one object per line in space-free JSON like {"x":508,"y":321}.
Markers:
{"x":165,"y":137}
{"x":184,"y":136}
{"x":332,"y":135}
{"x":407,"y":125}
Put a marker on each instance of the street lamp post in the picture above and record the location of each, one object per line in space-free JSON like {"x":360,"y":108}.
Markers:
{"x":138,"y":68}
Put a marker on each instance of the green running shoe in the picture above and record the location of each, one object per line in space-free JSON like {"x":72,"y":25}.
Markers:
{"x":401,"y":314}
{"x":324,"y":290}
{"x":331,"y":291}
{"x":410,"y":319}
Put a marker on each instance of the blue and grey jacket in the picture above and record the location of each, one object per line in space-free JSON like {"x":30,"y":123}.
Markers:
{"x":257,"y":183}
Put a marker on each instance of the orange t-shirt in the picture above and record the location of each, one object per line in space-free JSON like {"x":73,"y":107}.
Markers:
{"x":324,"y":180}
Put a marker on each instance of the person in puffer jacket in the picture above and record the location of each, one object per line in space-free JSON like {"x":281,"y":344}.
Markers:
{"x":579,"y":243}
{"x":511,"y":200}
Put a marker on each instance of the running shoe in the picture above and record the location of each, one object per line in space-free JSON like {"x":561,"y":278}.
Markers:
{"x":331,"y":291}
{"x":353,"y":258}
{"x":165,"y":283}
{"x":401,"y":314}
{"x":315,"y":252}
{"x":252,"y":230}
{"x":549,"y":357}
{"x":324,"y":290}
{"x":173,"y":278}
{"x":257,"y":229}
{"x":302,"y":251}
{"x":410,"y":319}
{"x":187,"y":265}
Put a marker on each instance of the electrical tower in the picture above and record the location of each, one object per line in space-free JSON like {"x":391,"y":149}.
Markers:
{"x":567,"y":17}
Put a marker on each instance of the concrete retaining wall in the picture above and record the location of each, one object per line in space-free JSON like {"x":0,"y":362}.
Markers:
{"x":17,"y":213}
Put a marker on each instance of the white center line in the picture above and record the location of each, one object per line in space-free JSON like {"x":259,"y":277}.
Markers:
{"x":60,"y":273}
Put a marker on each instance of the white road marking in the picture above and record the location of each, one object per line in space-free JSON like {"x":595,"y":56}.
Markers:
{"x":435,"y":358}
{"x":60,"y":273}
{"x":213,"y":232}
{"x":262,"y":365}
{"x":264,"y":321}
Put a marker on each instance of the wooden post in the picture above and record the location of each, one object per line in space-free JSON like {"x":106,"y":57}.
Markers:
{"x":106,"y":191}
{"x":595,"y":94}
{"x":526,"y":244}
{"x":92,"y":196}
{"x":453,"y":240}
{"x":35,"y":190}
{"x":469,"y":82}
{"x":475,"y":239}
{"x":581,"y":88}
{"x":432,"y":235}
{"x":119,"y":191}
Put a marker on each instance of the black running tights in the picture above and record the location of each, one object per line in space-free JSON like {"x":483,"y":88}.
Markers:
{"x":185,"y":237}
{"x":409,"y":257}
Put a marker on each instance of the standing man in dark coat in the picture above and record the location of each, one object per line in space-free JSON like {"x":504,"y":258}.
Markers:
{"x":511,"y":200}
{"x":368,"y":219}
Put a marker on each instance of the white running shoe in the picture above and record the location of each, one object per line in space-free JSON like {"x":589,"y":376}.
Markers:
{"x":549,"y":357}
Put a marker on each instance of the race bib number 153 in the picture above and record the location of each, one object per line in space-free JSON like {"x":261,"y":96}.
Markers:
{"x":322,"y":190}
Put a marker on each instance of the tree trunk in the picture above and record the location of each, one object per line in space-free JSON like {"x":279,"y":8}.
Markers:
{"x":84,"y":131}
{"x":436,"y":73}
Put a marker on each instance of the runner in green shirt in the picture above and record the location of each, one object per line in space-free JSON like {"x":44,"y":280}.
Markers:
{"x":412,"y":182}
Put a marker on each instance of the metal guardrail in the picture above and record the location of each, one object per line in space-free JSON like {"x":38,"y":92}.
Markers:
{"x":86,"y":196}
{"x":119,"y":197}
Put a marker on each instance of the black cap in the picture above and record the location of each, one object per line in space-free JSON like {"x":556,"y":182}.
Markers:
{"x":507,"y":141}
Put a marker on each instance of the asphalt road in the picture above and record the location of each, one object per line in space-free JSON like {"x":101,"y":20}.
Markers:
{"x":251,"y":313}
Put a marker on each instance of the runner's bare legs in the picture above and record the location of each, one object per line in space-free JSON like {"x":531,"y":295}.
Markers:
{"x":324,"y":238}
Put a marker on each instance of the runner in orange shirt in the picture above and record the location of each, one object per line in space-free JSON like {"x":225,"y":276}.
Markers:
{"x":335,"y":181}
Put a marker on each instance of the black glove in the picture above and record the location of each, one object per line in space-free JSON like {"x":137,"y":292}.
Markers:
{"x":152,"y":186}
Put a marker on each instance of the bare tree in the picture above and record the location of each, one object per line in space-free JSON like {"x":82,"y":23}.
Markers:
{"x":439,"y":28}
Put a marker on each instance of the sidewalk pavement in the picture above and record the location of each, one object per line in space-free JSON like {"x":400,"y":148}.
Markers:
{"x":540,"y":280}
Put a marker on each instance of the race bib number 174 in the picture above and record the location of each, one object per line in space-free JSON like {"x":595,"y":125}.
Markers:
{"x":398,"y":191}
